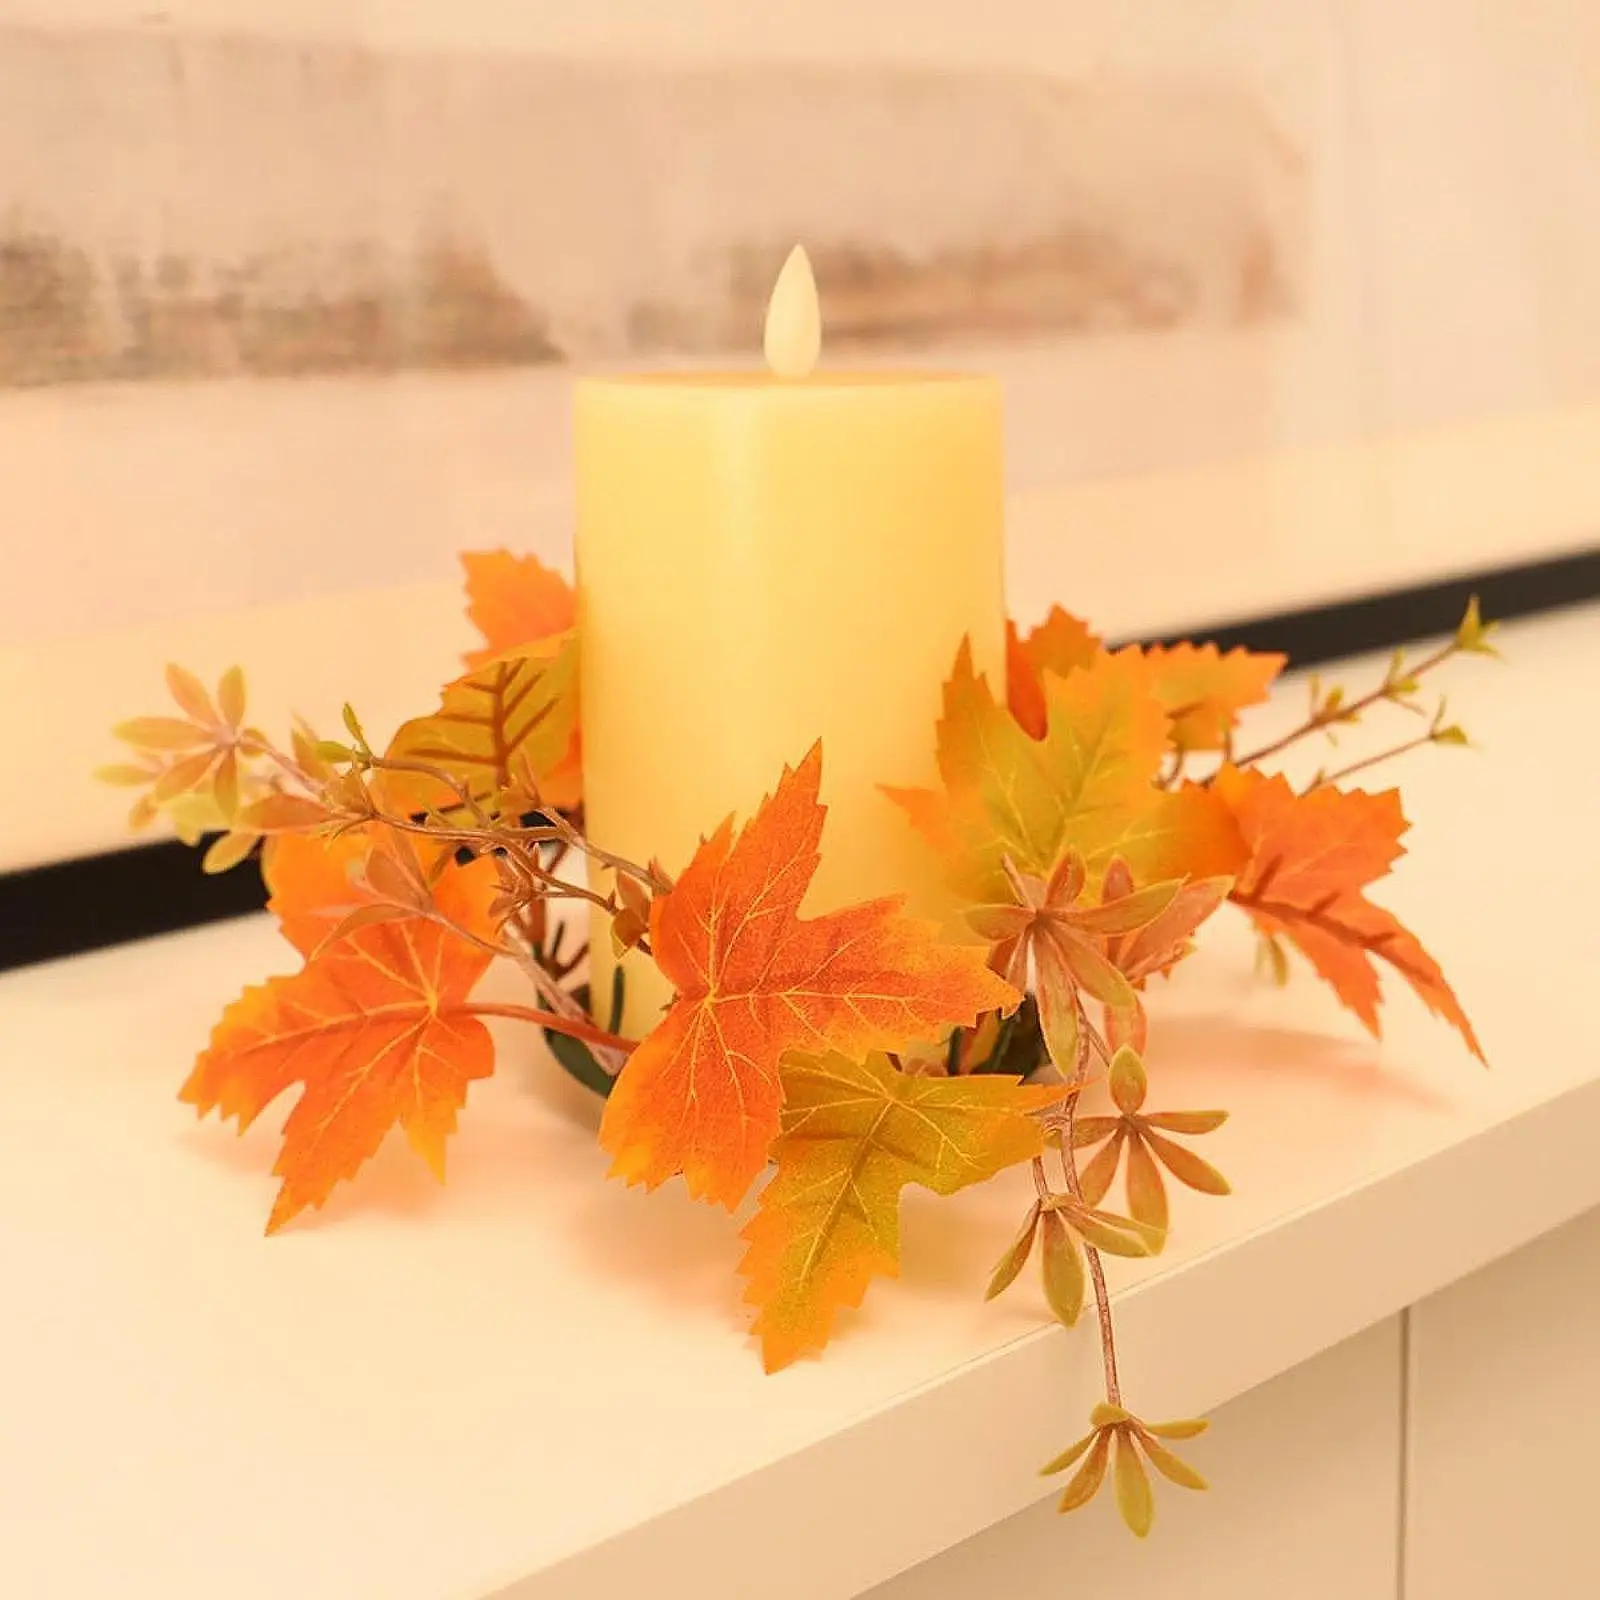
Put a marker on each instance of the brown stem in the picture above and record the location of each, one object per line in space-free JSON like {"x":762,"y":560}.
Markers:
{"x":1344,"y":713}
{"x":474,"y":838}
{"x":552,"y":888}
{"x":651,"y":879}
{"x":487,"y":840}
{"x":550,"y":990}
{"x":609,"y":1051}
{"x":254,"y":747}
{"x":1069,"y":1165}
{"x":1372,"y":761}
{"x":545,"y":981}
{"x":1092,"y":1034}
{"x":560,"y":831}
{"x":423,"y":769}
{"x":1040,"y":1182}
{"x":575,"y":1027}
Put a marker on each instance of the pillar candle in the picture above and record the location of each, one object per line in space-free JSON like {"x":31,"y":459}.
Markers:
{"x":764,"y":559}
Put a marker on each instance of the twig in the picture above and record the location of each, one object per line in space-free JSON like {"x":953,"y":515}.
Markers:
{"x":545,"y":981}
{"x":1069,"y":1166}
{"x":463,"y":794}
{"x":1346,"y":711}
{"x":265,"y":747}
{"x":485,"y":842}
{"x":575,"y":1027}
{"x":648,"y":876}
{"x":1040,"y":1182}
{"x":1093,"y":1034}
{"x":1372,"y":761}
{"x":497,"y":836}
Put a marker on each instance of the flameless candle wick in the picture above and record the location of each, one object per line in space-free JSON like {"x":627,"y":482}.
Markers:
{"x":792,"y":339}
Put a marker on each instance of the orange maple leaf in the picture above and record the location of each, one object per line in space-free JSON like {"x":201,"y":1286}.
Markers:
{"x":854,"y":1135}
{"x":1311,"y":856}
{"x":1088,"y":785}
{"x":1203,"y":690}
{"x":378,"y":1032}
{"x":701,"y":1093}
{"x":514,"y":601}
{"x":1060,"y":644}
{"x":314,"y":882}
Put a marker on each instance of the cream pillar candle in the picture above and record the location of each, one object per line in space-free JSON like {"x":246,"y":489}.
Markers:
{"x":769,"y":558}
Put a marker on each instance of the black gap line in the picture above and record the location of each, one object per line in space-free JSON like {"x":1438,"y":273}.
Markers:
{"x":1365,"y":623}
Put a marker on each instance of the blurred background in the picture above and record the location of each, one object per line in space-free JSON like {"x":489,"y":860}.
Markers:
{"x":1292,"y":299}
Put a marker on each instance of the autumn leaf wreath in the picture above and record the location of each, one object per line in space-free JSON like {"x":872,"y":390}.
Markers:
{"x":1092,"y":817}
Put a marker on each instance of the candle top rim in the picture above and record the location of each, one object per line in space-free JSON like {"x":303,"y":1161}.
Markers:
{"x":736,"y":380}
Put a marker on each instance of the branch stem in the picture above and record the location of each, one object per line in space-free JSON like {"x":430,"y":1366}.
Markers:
{"x":1041,"y":1183}
{"x":291,"y":768}
{"x":574,"y":1027}
{"x":1069,"y":1165}
{"x":1372,"y":761}
{"x":1346,"y":711}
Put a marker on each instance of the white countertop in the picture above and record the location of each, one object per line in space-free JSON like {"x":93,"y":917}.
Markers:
{"x":537,"y":1383}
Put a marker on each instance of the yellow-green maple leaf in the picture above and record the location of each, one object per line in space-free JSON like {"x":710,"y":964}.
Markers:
{"x":854,"y":1135}
{"x":1088,"y":785}
{"x":515,"y":712}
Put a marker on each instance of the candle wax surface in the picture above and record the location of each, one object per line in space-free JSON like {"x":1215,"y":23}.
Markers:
{"x":764,"y":562}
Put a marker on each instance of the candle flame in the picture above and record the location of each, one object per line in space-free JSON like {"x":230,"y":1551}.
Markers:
{"x":792,"y":339}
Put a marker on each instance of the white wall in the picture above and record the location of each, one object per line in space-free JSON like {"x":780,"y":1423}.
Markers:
{"x":1430,"y":400}
{"x":1005,"y":33}
{"x":1478,"y":139}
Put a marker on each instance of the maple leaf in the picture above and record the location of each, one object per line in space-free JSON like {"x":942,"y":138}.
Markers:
{"x":700,"y":1095}
{"x":1088,"y":786}
{"x":377,"y":1031}
{"x":854,"y":1135}
{"x":515,"y":712}
{"x":317,"y":884}
{"x":1203,"y":691}
{"x":515,"y":601}
{"x":1311,"y":856}
{"x":1059,"y":644}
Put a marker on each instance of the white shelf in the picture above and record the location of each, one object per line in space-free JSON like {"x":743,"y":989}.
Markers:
{"x":536,"y":1383}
